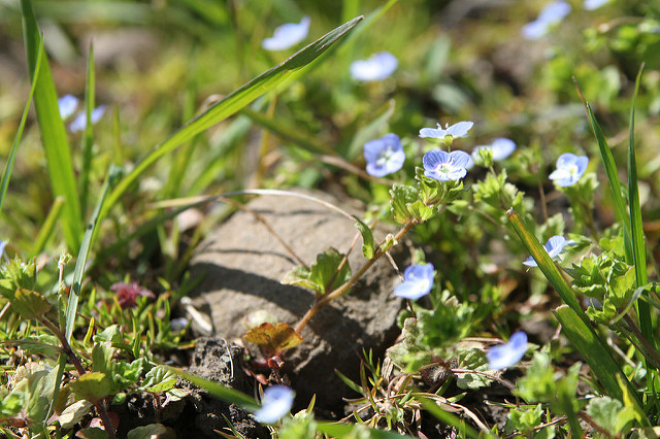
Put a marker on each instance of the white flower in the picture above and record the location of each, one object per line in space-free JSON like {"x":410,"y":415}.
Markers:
{"x":287,"y":35}
{"x":276,"y":403}
{"x":379,"y":66}
{"x":508,"y":354}
{"x":554,"y":247}
{"x":459,"y":129}
{"x":570,"y":169}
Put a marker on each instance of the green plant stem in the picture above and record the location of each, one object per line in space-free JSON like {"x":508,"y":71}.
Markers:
{"x":643,"y":345}
{"x":324,"y":300}
{"x":544,"y":206}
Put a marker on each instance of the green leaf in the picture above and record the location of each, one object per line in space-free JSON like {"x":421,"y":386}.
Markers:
{"x":402,"y":196}
{"x":604,"y":411}
{"x":226,"y":394}
{"x":324,"y":275}
{"x":88,"y":134}
{"x":30,"y":304}
{"x":103,"y":358}
{"x":93,"y":386}
{"x":231,"y":104}
{"x":151,"y":431}
{"x":47,"y":227}
{"x":53,"y":132}
{"x":159,"y":380}
{"x":368,"y":244}
{"x":355,"y":431}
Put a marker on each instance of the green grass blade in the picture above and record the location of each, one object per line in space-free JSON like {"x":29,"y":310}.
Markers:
{"x":546,"y":264}
{"x":282,"y":130}
{"x":83,"y":254}
{"x":53,"y":133}
{"x":88,"y":134}
{"x":47,"y":227}
{"x":233,"y":103}
{"x":218,"y":390}
{"x":595,"y":352}
{"x":613,"y":178}
{"x":9,"y":166}
{"x":637,"y":231}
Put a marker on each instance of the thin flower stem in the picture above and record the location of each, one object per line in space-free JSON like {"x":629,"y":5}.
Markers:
{"x":544,"y":205}
{"x":340,"y":291}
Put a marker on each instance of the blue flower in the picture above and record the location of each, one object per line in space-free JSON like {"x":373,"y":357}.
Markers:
{"x":276,"y":403}
{"x":445,"y":166}
{"x":417,"y":282}
{"x":379,"y":66}
{"x":591,"y":5}
{"x":67,"y":105}
{"x":501,"y":147}
{"x":459,"y":129}
{"x":570,"y":169}
{"x":552,"y":14}
{"x":287,"y":35}
{"x":554,"y":247}
{"x":80,"y":122}
{"x":384,"y":156}
{"x":3,"y":244}
{"x":508,"y":354}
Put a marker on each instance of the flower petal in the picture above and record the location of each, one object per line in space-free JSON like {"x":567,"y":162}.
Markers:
{"x":508,"y":354}
{"x":287,"y":35}
{"x":379,"y":66}
{"x":276,"y":403}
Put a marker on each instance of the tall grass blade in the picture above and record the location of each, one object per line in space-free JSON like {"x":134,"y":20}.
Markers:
{"x":53,"y":132}
{"x":613,"y":178}
{"x":233,"y":103}
{"x":334,"y":429}
{"x":88,"y":134}
{"x":546,"y":264}
{"x":218,"y":390}
{"x":9,"y":166}
{"x":83,"y":254}
{"x":637,"y":231}
{"x":595,"y":352}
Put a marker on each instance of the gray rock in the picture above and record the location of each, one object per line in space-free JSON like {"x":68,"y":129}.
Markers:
{"x":242,"y":265}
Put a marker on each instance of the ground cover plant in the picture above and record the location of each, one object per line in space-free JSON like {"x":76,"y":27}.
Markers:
{"x":510,"y":150}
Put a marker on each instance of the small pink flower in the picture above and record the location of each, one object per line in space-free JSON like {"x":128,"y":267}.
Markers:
{"x":128,"y":293}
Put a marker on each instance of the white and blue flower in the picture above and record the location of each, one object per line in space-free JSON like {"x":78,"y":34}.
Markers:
{"x":417,"y":282}
{"x":287,"y":35}
{"x":554,"y":247}
{"x":384,"y":156}
{"x":378,"y":67}
{"x":68,"y":104}
{"x":459,"y":129}
{"x":552,"y":14}
{"x":445,"y":166}
{"x":501,"y":149}
{"x":80,"y":122}
{"x":570,"y":169}
{"x":508,"y":354}
{"x":276,"y":404}
{"x":591,"y":5}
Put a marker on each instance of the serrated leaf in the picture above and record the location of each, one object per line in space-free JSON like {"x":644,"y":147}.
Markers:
{"x":274,"y":338}
{"x":402,"y":196}
{"x":93,"y":386}
{"x":368,"y":245}
{"x":159,"y":380}
{"x":324,"y":275}
{"x":419,"y":211}
{"x":604,"y":411}
{"x":30,"y":304}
